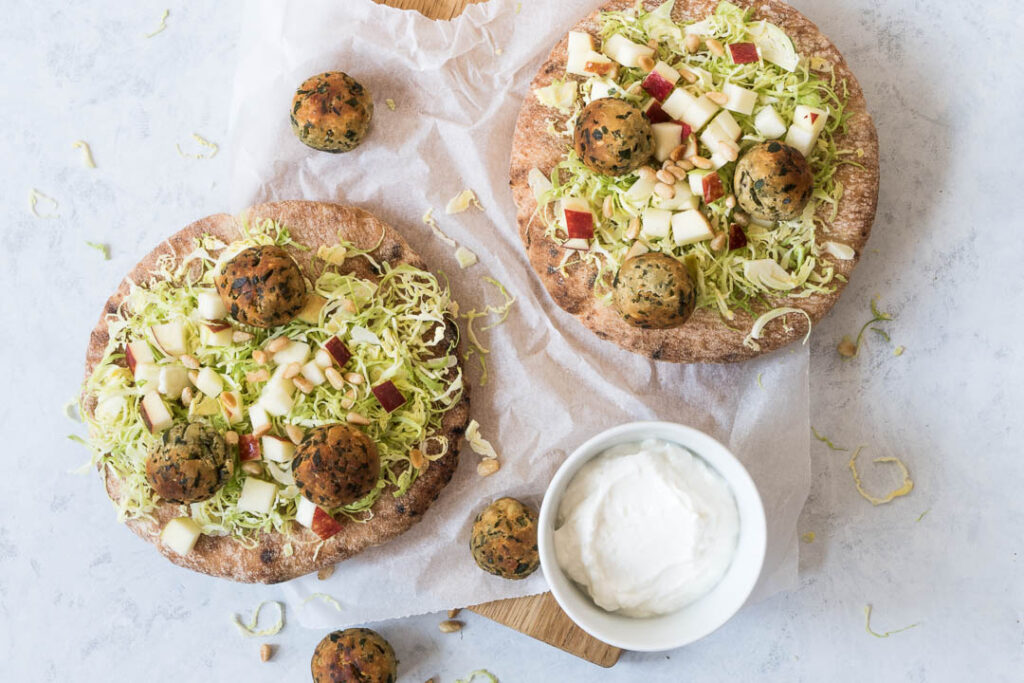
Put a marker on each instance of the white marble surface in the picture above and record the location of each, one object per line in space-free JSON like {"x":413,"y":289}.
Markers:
{"x":82,"y":600}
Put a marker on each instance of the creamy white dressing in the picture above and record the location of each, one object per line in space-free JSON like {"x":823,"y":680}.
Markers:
{"x":646,"y":528}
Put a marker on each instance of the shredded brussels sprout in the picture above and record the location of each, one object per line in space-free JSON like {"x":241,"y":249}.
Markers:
{"x":249,"y":630}
{"x":867,"y":625}
{"x":324,"y":598}
{"x":722,"y":282}
{"x":393,"y":326}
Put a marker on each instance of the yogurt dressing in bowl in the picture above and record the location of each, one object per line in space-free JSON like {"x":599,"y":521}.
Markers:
{"x":646,"y":528}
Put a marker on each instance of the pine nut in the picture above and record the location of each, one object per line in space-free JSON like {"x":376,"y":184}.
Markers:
{"x":294,"y":433}
{"x":190,"y":362}
{"x":715,"y":46}
{"x":728,"y":152}
{"x":645,"y":173}
{"x":452,"y":613}
{"x":348,"y":306}
{"x":353,"y":378}
{"x":665,"y":176}
{"x":304,"y":385}
{"x":653,"y":43}
{"x":231,"y":437}
{"x":347,"y":403}
{"x":356,"y":419}
{"x":678,"y":153}
{"x":325,"y":573}
{"x":700,"y":162}
{"x":240,"y":336}
{"x":718,"y":242}
{"x":251,"y":467}
{"x":665,"y":164}
{"x":719,"y":98}
{"x":692,"y":42}
{"x":260,"y":357}
{"x":685,"y":165}
{"x":450,"y":626}
{"x":664,"y":191}
{"x":291,"y":370}
{"x":416,"y":458}
{"x":634,"y":228}
{"x":679,"y":173}
{"x":261,"y":375}
{"x":730,"y":201}
{"x":686,"y":74}
{"x":262,"y":431}
{"x":487,"y":467}
{"x":186,"y":396}
{"x":608,"y":207}
{"x":193,"y":376}
{"x":645,"y":63}
{"x":229,"y":400}
{"x":278,"y":343}
{"x":334,"y":377}
{"x":741,"y":219}
{"x":266,"y":652}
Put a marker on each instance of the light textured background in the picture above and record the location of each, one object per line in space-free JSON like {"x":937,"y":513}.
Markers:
{"x":943,"y":83}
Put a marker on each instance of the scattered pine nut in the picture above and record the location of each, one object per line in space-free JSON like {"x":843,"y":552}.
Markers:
{"x":190,"y":362}
{"x":664,"y":191}
{"x":645,"y":63}
{"x":685,"y":165}
{"x":357,"y":419}
{"x":715,"y":47}
{"x":741,"y":219}
{"x":266,"y":652}
{"x":692,"y":42}
{"x":241,"y":336}
{"x":231,"y":437}
{"x":679,"y":173}
{"x":291,"y":370}
{"x":325,"y":573}
{"x":678,"y":153}
{"x":665,"y":176}
{"x":608,"y":207}
{"x":260,"y":357}
{"x":262,"y":431}
{"x":652,"y":43}
{"x":304,"y":385}
{"x":450,"y":626}
{"x":687,"y":75}
{"x":193,"y":376}
{"x":645,"y":173}
{"x":728,"y":152}
{"x":487,"y":467}
{"x":229,"y":400}
{"x":416,"y":458}
{"x":261,"y":375}
{"x":701,"y":162}
{"x":452,"y":613}
{"x":730,"y":201}
{"x":186,"y":396}
{"x":719,"y":98}
{"x":277,"y":344}
{"x":334,"y":377}
{"x":634,"y":228}
{"x":294,"y":433}
{"x":353,"y":378}
{"x":718,"y":242}
{"x":348,"y":306}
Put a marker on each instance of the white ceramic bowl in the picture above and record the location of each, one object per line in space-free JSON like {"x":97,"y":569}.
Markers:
{"x":699,"y":618}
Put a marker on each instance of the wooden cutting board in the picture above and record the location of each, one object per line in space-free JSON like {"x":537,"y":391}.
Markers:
{"x":538,"y":616}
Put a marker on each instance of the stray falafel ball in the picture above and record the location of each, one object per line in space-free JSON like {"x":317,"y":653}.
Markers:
{"x":262,"y":286}
{"x":189,"y":464}
{"x":504,"y":539}
{"x":654,"y":291}
{"x":355,"y":655}
{"x":336,"y":465}
{"x":331,"y":112}
{"x":613,"y":137}
{"x":773,"y":181}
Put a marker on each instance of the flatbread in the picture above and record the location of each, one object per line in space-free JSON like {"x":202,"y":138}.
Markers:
{"x":311,"y":224}
{"x":705,"y":337}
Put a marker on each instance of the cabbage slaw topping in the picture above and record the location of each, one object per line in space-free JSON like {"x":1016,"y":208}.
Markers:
{"x":395,"y":332}
{"x":722,"y":281}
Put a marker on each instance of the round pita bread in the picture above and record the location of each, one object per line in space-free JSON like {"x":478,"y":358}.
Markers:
{"x":705,"y":337}
{"x":311,"y":224}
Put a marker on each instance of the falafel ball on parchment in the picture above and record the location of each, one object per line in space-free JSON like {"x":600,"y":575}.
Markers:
{"x":336,"y":465}
{"x":331,"y":112}
{"x":355,"y":655}
{"x":613,"y":137}
{"x":262,"y":286}
{"x":189,"y":464}
{"x":654,"y":291}
{"x":773,"y":182}
{"x":504,"y":539}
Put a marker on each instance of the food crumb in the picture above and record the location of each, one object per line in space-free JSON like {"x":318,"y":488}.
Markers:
{"x":212,"y":146}
{"x":160,"y":28}
{"x":428,"y":219}
{"x":325,"y":573}
{"x":87,"y":158}
{"x":921,"y":516}
{"x":808,"y":537}
{"x":461,"y":202}
{"x":846,"y":348}
{"x":391,"y":103}
{"x":452,"y":613}
{"x":498,"y":51}
{"x":898,"y":351}
{"x":450,"y":626}
{"x":104,"y":249}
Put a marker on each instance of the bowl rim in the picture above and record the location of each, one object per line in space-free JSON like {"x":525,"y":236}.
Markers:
{"x":720,"y":459}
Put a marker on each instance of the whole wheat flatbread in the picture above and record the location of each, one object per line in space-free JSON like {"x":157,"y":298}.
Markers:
{"x":311,"y":224}
{"x":705,"y":337}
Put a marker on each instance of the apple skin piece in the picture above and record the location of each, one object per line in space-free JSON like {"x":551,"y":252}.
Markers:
{"x":210,"y":305}
{"x":154,"y":413}
{"x":744,"y":53}
{"x":660,"y":82}
{"x":711,"y":184}
{"x":257,"y":496}
{"x":654,"y":112}
{"x":389,"y":396}
{"x":338,"y":351}
{"x":323,"y":524}
{"x":689,"y":227}
{"x":737,"y":238}
{"x":180,"y":535}
{"x":277,"y":449}
{"x":173,"y":380}
{"x":137,"y":352}
{"x":248,"y":447}
{"x":696,"y":180}
{"x":170,"y":337}
{"x":579,"y":219}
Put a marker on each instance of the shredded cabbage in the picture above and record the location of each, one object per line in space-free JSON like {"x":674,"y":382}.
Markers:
{"x":723,"y":283}
{"x":86,"y":153}
{"x":34,"y":197}
{"x":104,"y":249}
{"x":395,"y":331}
{"x":249,"y":630}
{"x":479,"y":444}
{"x":825,"y":440}
{"x":906,"y":487}
{"x":471,"y":316}
{"x":324,"y":598}
{"x":867,"y":625}
{"x":161,"y":26}
{"x":203,"y":142}
{"x":484,"y":673}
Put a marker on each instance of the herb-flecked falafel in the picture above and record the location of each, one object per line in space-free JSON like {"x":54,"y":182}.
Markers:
{"x":612,"y":136}
{"x":189,"y":464}
{"x":654,"y":291}
{"x":504,"y":539}
{"x":773,"y":182}
{"x":336,"y":465}
{"x":331,"y":112}
{"x":262,"y":286}
{"x":355,"y":655}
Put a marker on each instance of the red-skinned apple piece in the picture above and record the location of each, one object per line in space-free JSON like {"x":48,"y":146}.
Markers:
{"x":737,"y":238}
{"x":137,"y":352}
{"x":655,"y":114}
{"x":323,"y":524}
{"x":248,"y":447}
{"x":389,"y":396}
{"x":657,"y":86}
{"x":339,"y":352}
{"x":712,"y":186}
{"x":579,"y":224}
{"x":743,"y":53}
{"x":154,"y":413}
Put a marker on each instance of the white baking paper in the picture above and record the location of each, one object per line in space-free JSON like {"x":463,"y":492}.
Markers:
{"x":457,"y":88}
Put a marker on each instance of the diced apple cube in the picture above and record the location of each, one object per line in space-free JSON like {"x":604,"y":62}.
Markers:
{"x":638,"y":248}
{"x":737,"y":238}
{"x":741,"y":100}
{"x":660,"y":81}
{"x":655,"y":223}
{"x":137,"y":352}
{"x":388,"y":395}
{"x":170,"y":337}
{"x":231,"y":402}
{"x":310,"y":312}
{"x":210,"y":305}
{"x":209,"y":382}
{"x":744,"y":53}
{"x":579,"y":219}
{"x":689,"y":227}
{"x":682,"y":199}
{"x":801,"y":139}
{"x":277,"y":449}
{"x":323,"y":359}
{"x":667,"y":136}
{"x":580,"y":45}
{"x":147,"y":372}
{"x":676,"y":104}
{"x":258,"y":417}
{"x":727,"y":125}
{"x":295,"y":352}
{"x":248,"y":447}
{"x":314,"y":373}
{"x":324,"y":525}
{"x":180,"y":535}
{"x":810,"y":118}
{"x":304,"y":512}
{"x":654,"y":112}
{"x":641,"y":190}
{"x":154,"y":413}
{"x":700,"y":112}
{"x":276,"y":396}
{"x":594,"y":64}
{"x":769,"y":124}
{"x":625,"y":51}
{"x":257,"y":496}
{"x":696,"y":181}
{"x":711,"y":184}
{"x":577,"y":244}
{"x":110,"y":408}
{"x":215,"y":334}
{"x":173,"y":380}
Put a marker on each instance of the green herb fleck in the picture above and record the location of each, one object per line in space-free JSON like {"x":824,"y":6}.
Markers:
{"x":825,"y":440}
{"x":100,"y":247}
